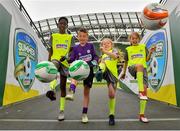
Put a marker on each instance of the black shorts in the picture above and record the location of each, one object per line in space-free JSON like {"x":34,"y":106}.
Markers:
{"x":89,"y":80}
{"x":61,"y":68}
{"x":133,"y":72}
{"x":110,"y":78}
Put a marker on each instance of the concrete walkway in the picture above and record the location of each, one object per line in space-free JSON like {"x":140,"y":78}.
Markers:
{"x":41,"y":114}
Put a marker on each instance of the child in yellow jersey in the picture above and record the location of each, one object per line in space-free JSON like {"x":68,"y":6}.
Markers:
{"x":60,"y":44}
{"x":108,"y":65}
{"x":135,"y":58}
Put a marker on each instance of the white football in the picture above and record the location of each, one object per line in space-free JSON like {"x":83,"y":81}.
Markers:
{"x":46,"y":71}
{"x":154,"y":16}
{"x":79,"y":70}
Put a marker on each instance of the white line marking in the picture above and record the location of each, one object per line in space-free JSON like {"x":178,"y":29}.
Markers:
{"x":91,"y":120}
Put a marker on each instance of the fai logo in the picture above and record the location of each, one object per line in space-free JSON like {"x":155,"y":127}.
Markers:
{"x":25,"y":59}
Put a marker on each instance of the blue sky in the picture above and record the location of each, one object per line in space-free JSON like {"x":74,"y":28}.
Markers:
{"x":42,"y":9}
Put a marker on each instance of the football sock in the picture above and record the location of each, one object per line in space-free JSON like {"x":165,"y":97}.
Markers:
{"x":73,"y":87}
{"x":112,"y":104}
{"x":62,"y":103}
{"x":140,"y":81}
{"x":85,"y":109}
{"x":142,"y":106}
{"x":53,"y":84}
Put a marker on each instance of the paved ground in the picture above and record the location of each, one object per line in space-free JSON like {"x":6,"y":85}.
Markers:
{"x":41,"y":114}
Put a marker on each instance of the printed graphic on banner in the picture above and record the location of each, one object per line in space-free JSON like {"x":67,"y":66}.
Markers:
{"x":157,"y":64}
{"x":25,"y":59}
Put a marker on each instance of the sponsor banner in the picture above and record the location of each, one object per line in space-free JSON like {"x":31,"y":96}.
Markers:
{"x":156,"y":66}
{"x":25,"y":59}
{"x":20,"y":55}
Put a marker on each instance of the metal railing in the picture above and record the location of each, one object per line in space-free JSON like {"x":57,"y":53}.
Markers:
{"x":28,"y":18}
{"x":114,"y":25}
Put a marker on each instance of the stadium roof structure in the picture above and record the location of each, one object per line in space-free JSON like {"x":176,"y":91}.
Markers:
{"x":114,"y":25}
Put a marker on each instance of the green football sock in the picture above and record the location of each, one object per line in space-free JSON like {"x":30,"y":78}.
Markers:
{"x":62,"y":103}
{"x":140,"y":81}
{"x":142,"y":106}
{"x":112,"y":104}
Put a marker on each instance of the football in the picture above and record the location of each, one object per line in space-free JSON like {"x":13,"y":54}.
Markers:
{"x":154,"y":16}
{"x":79,"y":70}
{"x":46,"y":71}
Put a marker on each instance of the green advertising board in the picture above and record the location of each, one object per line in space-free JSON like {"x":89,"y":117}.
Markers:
{"x":5,"y":24}
{"x":175,"y":39}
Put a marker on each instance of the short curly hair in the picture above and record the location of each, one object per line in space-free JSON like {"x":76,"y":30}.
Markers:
{"x":66,"y":19}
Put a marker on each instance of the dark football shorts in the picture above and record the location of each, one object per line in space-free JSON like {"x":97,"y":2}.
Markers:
{"x":89,"y":80}
{"x":110,"y":78}
{"x":133,"y":72}
{"x":61,"y":68}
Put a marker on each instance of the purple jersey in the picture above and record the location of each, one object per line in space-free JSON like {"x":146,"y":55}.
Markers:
{"x":86,"y":53}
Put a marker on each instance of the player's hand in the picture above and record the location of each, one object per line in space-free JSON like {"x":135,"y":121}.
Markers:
{"x":95,"y":66}
{"x":99,"y":75}
{"x":63,"y":58}
{"x":94,"y":63}
{"x":102,"y":49}
{"x":51,"y":95}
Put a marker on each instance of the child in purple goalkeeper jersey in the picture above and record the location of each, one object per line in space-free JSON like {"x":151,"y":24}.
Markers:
{"x":84,"y":51}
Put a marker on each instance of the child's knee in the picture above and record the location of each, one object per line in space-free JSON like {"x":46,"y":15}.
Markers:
{"x":73,"y":81}
{"x":112,"y":94}
{"x":139,"y":67}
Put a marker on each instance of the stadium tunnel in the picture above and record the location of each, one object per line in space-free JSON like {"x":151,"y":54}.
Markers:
{"x":18,"y":91}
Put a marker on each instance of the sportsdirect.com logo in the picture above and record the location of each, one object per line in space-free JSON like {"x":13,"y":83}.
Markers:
{"x":25,"y":59}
